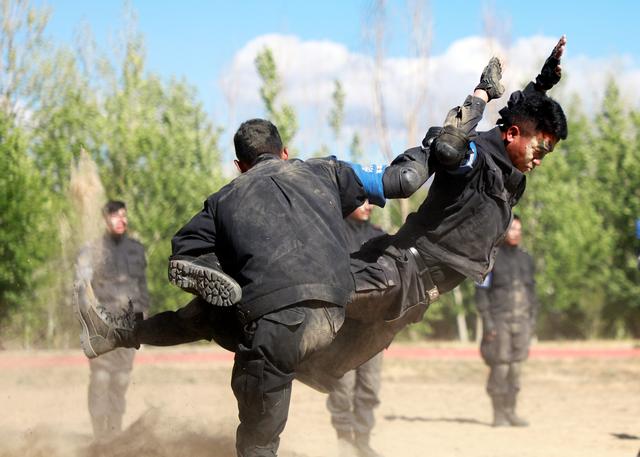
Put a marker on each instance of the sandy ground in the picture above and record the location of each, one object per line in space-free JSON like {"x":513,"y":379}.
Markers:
{"x":582,"y":400}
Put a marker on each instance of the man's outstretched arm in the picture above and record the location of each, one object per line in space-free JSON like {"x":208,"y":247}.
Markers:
{"x":551,"y":71}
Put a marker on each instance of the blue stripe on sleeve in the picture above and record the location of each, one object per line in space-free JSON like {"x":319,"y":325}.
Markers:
{"x":486,"y":283}
{"x":467,"y":164}
{"x":371,"y":179}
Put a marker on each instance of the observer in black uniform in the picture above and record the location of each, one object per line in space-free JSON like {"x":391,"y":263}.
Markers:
{"x":507,"y":302}
{"x":354,"y":397}
{"x":115,"y":265}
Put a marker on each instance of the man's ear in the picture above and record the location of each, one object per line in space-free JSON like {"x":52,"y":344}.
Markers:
{"x":241,"y":166}
{"x":284,"y":155}
{"x":512,"y":133}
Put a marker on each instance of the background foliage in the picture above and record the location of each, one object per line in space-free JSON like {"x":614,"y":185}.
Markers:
{"x":156,"y":148}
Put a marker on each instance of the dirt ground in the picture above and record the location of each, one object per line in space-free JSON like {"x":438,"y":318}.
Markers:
{"x":581,"y":400}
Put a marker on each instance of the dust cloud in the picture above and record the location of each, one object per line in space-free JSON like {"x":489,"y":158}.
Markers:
{"x":153,"y":434}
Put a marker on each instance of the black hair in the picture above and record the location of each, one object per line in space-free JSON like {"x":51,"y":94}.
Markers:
{"x":516,"y":217}
{"x":256,"y":137}
{"x":535,"y":112}
{"x":113,"y":206}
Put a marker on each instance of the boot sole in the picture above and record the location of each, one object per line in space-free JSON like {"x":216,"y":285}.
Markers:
{"x":85,"y":338}
{"x":212,"y":285}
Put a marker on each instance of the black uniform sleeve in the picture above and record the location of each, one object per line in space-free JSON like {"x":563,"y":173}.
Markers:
{"x":144,"y":301}
{"x":483,"y":303}
{"x":198,"y":236}
{"x":533,"y":296}
{"x":351,"y":189}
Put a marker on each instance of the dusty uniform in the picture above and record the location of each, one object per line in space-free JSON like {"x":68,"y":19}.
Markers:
{"x":507,"y":302}
{"x":116,"y":268}
{"x":278,"y":230}
{"x":454,"y":234}
{"x":289,"y":254}
{"x":354,"y":397}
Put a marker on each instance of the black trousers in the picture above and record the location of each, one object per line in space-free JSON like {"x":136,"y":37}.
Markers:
{"x":268,"y":352}
{"x":505,"y":353}
{"x":315,"y":342}
{"x":265,"y":366}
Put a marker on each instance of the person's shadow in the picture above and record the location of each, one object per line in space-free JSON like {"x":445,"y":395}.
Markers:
{"x":459,"y":420}
{"x":625,"y":436}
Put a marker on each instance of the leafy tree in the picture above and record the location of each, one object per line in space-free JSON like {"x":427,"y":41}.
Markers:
{"x":618,"y":181}
{"x":21,"y":45}
{"x":22,"y":216}
{"x":567,"y":236}
{"x":281,"y":114}
{"x":336,"y":115}
{"x":161,"y":158}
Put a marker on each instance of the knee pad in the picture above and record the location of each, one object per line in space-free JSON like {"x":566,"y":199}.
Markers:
{"x":100,"y":378}
{"x":121,"y":380}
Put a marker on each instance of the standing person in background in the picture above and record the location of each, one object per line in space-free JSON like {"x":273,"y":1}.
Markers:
{"x":352,"y":401}
{"x":115,"y":265}
{"x":507,"y":302}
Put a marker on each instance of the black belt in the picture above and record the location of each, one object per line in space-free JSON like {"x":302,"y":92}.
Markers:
{"x":427,"y":281}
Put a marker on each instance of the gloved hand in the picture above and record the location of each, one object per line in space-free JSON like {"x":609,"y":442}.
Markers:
{"x":551,"y":70}
{"x":431,"y":135}
{"x":490,"y":79}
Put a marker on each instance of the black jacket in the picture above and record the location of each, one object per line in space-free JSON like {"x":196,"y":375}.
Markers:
{"x":278,"y":230}
{"x":116,"y":268}
{"x":509,"y":291}
{"x":360,"y":231}
{"x":465,"y":216}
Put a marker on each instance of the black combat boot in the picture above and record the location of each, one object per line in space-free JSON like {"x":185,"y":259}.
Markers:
{"x":203,"y":276}
{"x":346,"y":446}
{"x":363,"y":446}
{"x":102,"y":329}
{"x":100,"y":427}
{"x":499,"y":413}
{"x":510,"y":411}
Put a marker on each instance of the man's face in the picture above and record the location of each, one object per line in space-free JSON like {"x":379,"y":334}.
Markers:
{"x":362,"y":212}
{"x":514,"y":234}
{"x":117,"y":222}
{"x":527,"y":151}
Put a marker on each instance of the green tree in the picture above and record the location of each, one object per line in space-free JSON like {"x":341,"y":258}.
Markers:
{"x":22,"y":218}
{"x":336,"y":114}
{"x":618,"y":179}
{"x":281,"y":114}
{"x":21,"y":45}
{"x":567,"y":235}
{"x":161,"y":157}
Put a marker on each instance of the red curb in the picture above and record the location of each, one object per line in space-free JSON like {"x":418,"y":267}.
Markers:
{"x":40,"y":360}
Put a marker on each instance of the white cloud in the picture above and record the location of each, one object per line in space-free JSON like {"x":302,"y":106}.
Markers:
{"x":309,"y":68}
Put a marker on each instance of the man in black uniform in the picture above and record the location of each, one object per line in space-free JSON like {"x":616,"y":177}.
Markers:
{"x":276,"y":230}
{"x":456,"y":232}
{"x":354,"y":397}
{"x":115,"y":266}
{"x":507,"y":302}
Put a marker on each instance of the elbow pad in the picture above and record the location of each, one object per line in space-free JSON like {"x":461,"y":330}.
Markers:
{"x":403,"y":177}
{"x":451,"y":147}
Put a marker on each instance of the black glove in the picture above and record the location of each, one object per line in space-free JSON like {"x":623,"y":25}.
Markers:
{"x":431,"y":135}
{"x":490,"y":79}
{"x":551,"y":71}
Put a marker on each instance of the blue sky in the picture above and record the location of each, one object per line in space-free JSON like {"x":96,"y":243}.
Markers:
{"x":195,"y":38}
{"x":202,"y":40}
